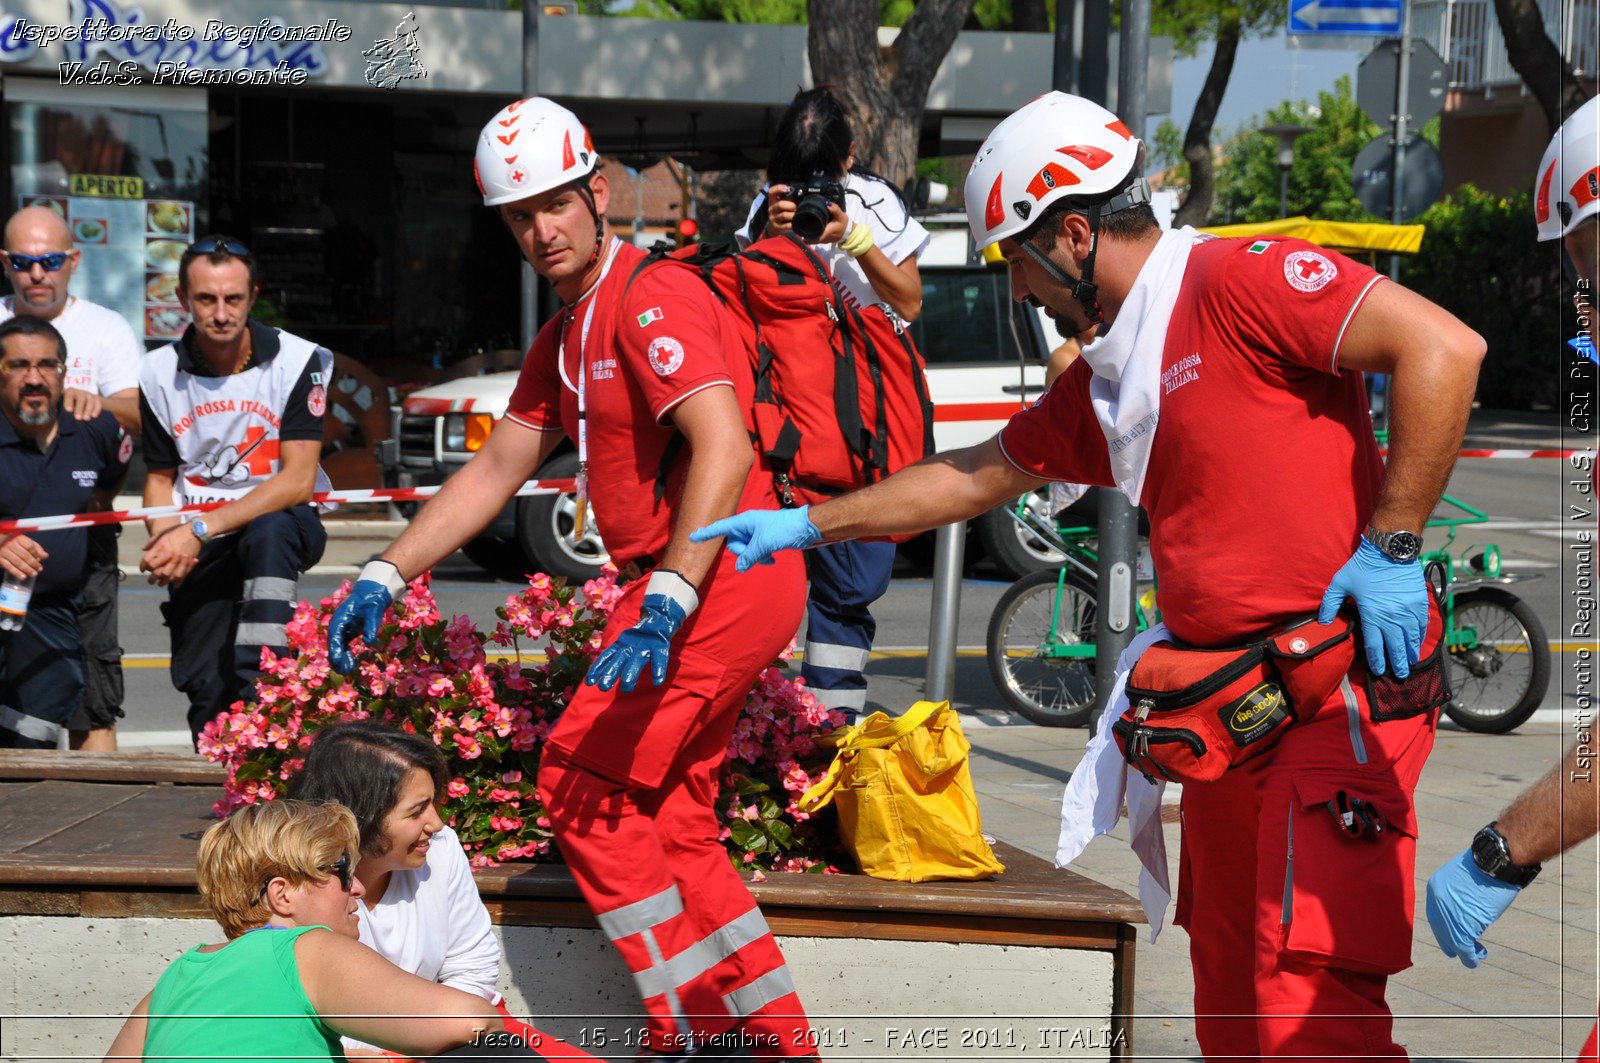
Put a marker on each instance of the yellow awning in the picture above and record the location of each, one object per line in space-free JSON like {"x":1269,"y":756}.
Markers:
{"x":1348,"y":237}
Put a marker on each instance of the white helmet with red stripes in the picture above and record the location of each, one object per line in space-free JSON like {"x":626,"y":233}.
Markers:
{"x":1059,"y":146}
{"x":1566,"y":190}
{"x":531,"y":146}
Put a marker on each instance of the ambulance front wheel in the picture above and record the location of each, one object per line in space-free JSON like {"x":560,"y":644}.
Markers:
{"x":545,"y":529}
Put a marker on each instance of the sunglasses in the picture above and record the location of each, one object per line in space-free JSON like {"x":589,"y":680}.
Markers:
{"x":51,"y":262}
{"x":46,"y":368}
{"x":340,"y":867}
{"x":211,"y":245}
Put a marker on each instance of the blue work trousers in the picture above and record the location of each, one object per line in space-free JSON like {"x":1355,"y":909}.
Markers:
{"x":846,"y":578}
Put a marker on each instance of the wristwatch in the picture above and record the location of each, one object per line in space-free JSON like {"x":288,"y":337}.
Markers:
{"x":1397,"y":545}
{"x":198,"y":527}
{"x":1493,"y":857}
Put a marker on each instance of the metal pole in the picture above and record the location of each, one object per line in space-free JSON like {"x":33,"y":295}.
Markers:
{"x":1283,"y":191}
{"x":528,"y":294}
{"x":1397,"y":165}
{"x":1061,"y":70}
{"x":1096,"y":65}
{"x":1119,"y":524}
{"x":949,"y":542}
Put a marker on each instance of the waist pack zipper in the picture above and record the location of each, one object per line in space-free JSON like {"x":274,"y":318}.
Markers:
{"x":1204,"y":689}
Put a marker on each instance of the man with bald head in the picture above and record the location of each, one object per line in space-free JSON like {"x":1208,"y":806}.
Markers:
{"x":102,"y":373}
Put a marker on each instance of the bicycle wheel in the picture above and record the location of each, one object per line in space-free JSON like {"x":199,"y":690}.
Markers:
{"x":1048,"y":690}
{"x":1499,"y":683}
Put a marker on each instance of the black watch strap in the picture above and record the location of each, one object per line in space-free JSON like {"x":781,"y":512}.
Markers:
{"x":1492,"y":854}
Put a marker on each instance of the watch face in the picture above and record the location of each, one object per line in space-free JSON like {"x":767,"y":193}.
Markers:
{"x":1487,"y":852}
{"x":1404,"y":546}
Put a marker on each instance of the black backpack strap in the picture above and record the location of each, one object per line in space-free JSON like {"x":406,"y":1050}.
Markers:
{"x":668,"y":457}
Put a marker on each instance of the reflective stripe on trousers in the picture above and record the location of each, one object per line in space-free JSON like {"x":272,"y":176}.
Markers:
{"x":667,"y":975}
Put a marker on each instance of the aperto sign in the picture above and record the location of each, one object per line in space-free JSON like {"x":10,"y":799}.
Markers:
{"x":97,"y":31}
{"x":106,"y":186}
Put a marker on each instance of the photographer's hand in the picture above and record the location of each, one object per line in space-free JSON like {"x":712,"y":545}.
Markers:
{"x":838,"y":225}
{"x":780,"y":211}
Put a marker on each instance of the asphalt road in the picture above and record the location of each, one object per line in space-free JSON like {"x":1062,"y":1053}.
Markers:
{"x":1523,"y":496}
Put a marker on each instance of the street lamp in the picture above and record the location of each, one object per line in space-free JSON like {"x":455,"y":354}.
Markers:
{"x":1286,"y":135}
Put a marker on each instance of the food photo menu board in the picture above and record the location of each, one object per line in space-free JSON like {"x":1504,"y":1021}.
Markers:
{"x":130,"y":247}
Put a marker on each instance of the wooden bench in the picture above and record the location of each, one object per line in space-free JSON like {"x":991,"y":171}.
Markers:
{"x":97,"y":895}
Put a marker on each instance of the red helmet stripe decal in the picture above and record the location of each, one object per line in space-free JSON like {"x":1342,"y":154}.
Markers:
{"x":1586,"y":189}
{"x":510,"y":160}
{"x":477,"y":178}
{"x":1053,"y":176}
{"x":567,"y":161}
{"x":588,"y":141}
{"x":507,"y":138}
{"x":1541,"y":201}
{"x":507,"y":123}
{"x":994,"y":211}
{"x":1121,"y":130}
{"x":1088,"y":154}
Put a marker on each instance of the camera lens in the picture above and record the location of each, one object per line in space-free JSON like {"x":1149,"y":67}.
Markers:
{"x":810,"y":218}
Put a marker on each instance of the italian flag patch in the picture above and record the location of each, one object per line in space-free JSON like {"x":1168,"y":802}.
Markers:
{"x":1259,"y":247}
{"x":652,"y":314}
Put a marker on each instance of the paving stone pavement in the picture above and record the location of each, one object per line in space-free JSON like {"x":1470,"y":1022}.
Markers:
{"x":1542,"y":953}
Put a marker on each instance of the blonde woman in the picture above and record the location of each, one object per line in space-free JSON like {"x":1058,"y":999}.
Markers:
{"x":292,"y":976}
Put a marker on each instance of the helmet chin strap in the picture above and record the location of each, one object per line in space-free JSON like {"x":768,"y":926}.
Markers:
{"x":587,"y":194}
{"x":1084,"y":289}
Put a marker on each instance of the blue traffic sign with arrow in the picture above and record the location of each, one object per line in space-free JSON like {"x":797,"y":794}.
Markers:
{"x":1373,"y":18}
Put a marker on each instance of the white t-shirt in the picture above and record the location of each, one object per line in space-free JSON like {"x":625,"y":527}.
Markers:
{"x":432,"y":923}
{"x":897,"y":234}
{"x":102,"y":351}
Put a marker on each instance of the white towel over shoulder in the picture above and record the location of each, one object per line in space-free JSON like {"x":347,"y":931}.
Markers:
{"x":1099,"y":785}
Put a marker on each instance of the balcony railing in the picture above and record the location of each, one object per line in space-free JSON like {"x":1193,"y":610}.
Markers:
{"x":1466,"y":34}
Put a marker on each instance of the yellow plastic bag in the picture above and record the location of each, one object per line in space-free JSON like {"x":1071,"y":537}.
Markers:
{"x":907,"y":810}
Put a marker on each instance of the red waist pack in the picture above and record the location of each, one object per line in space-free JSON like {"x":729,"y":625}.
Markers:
{"x":1194,"y":713}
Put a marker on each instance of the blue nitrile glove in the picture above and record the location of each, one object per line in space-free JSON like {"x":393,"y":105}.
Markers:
{"x":1462,"y":903}
{"x":1392,"y":599}
{"x":668,"y":601}
{"x":756,"y":534}
{"x":375,"y":590}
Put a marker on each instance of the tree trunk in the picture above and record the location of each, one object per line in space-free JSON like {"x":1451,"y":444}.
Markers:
{"x":884,"y":90}
{"x":1197,"y":142}
{"x":1538,"y":61}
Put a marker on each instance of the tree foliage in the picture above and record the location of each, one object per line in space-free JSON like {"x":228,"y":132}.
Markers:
{"x":1538,"y":61}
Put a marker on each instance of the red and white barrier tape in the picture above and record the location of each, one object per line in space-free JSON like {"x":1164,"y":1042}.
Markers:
{"x":123,"y":516}
{"x":1505,"y":453}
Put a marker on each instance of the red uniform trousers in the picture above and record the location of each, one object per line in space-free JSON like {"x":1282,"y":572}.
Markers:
{"x":1294,"y":925}
{"x":629,"y":781}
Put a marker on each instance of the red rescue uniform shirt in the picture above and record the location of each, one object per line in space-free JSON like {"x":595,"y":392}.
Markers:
{"x":1264,"y":471}
{"x":643,"y":349}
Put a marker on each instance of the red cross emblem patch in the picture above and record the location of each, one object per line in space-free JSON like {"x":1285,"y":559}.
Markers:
{"x":1309,"y":270}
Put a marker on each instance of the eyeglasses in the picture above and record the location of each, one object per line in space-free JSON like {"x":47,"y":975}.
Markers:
{"x":340,"y":867}
{"x":51,"y":262}
{"x":51,"y":367}
{"x":211,"y":245}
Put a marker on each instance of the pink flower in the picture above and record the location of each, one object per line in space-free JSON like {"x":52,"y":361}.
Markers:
{"x":440,"y":686}
{"x":505,"y":823}
{"x":511,"y":776}
{"x":467,"y":747}
{"x":457,"y":788}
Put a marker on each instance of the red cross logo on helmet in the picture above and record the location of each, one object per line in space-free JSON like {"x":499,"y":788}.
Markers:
{"x":517,"y":177}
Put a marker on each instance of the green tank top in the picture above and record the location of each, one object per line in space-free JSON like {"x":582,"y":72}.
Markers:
{"x":244,"y":1001}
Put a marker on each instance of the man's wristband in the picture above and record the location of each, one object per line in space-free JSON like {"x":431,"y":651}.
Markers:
{"x":385,"y":573}
{"x":858,"y":241}
{"x":672,"y":584}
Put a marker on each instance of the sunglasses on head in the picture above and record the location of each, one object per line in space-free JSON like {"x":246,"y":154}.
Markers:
{"x":211,"y":245}
{"x":51,"y":262}
{"x":340,"y":867}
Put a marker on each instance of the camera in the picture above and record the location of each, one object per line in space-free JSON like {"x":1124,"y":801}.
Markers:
{"x":811,"y":199}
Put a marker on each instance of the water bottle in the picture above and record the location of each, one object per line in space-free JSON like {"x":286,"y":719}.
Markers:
{"x":14,"y":597}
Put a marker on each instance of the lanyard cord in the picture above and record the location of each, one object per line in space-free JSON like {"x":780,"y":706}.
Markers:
{"x":583,"y":381}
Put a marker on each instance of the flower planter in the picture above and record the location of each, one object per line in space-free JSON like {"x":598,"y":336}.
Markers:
{"x":97,"y":895}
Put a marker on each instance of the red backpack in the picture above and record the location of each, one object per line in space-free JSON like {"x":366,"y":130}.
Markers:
{"x":841,"y":396}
